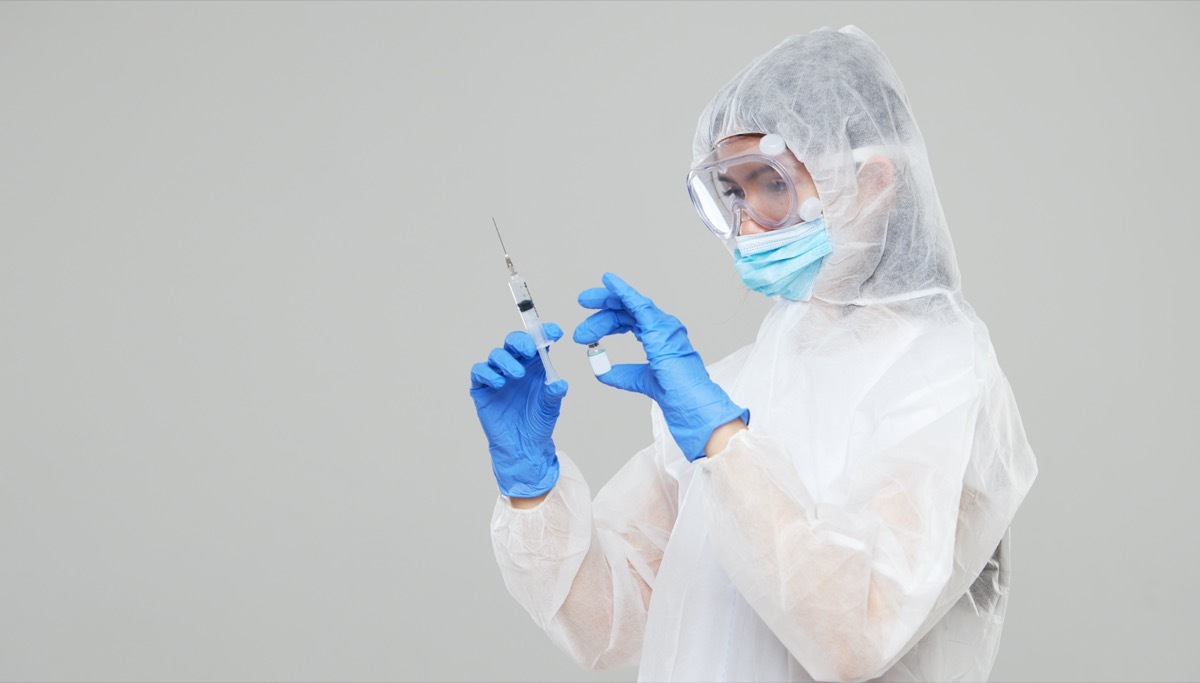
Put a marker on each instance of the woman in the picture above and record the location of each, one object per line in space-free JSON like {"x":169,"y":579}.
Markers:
{"x":831,"y":502}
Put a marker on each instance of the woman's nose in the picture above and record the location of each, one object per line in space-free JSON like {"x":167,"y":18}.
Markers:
{"x":749,"y":227}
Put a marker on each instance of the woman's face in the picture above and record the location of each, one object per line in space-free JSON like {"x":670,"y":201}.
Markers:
{"x":741,"y":179}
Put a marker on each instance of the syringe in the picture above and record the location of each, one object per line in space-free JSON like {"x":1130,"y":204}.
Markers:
{"x":529,"y":314}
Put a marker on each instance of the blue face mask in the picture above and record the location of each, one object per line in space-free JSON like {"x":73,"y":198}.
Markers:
{"x":783,"y":262}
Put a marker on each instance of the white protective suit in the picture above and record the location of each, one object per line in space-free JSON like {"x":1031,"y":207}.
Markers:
{"x":858,"y":529}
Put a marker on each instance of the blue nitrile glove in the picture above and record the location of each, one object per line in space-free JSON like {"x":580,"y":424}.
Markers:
{"x":675,"y":378}
{"x":518,"y":410}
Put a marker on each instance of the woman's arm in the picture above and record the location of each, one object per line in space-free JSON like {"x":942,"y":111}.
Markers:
{"x":848,"y":586}
{"x":528,"y":503}
{"x":585,"y":570}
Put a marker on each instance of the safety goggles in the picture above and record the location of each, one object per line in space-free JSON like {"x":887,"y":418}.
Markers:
{"x":755,"y":184}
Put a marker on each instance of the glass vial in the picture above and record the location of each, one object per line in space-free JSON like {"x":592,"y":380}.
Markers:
{"x":598,"y":357}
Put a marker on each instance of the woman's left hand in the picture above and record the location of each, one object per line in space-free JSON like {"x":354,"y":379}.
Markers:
{"x":674,"y":377}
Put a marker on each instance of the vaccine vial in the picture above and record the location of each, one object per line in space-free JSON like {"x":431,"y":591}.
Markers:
{"x":598,"y":357}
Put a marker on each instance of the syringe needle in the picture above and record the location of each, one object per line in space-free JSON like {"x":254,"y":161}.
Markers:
{"x":507,"y":261}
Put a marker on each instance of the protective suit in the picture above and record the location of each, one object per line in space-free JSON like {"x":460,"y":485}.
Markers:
{"x":858,"y":529}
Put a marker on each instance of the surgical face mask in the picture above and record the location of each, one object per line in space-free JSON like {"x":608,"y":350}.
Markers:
{"x":783,"y":262}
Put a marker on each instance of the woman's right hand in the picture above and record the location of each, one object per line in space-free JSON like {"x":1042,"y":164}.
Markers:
{"x":518,"y":411}
{"x":675,"y":378}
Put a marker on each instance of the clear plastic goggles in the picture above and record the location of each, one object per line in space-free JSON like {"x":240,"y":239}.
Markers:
{"x":756,"y":185}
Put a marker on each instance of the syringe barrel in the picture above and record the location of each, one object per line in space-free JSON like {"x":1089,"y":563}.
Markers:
{"x":533,"y":324}
{"x":520,"y":292}
{"x":551,"y":373}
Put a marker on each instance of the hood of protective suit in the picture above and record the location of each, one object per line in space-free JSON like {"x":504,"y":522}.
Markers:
{"x":840,"y":107}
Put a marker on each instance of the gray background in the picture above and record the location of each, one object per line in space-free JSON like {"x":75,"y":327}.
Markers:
{"x":246,"y":262}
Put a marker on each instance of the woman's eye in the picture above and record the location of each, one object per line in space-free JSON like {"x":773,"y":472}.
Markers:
{"x":733,"y":192}
{"x":778,"y":186}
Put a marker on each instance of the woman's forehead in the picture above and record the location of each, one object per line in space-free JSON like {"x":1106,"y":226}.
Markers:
{"x":738,"y":144}
{"x":747,"y":143}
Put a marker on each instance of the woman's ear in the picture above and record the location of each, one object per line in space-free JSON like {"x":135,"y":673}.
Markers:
{"x":875,"y":180}
{"x":875,"y":177}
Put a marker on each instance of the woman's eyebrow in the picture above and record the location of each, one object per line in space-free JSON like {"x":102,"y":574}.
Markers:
{"x":759,"y":171}
{"x":764,"y":168}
